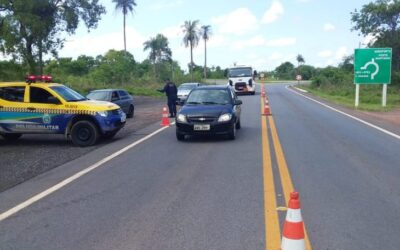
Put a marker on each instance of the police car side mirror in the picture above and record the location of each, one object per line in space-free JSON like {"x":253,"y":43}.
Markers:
{"x":53,"y":100}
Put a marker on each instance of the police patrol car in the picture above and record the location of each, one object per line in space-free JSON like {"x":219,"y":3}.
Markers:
{"x":38,"y":106}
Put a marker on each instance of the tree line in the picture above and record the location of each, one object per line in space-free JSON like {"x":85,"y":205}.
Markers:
{"x":31,"y":29}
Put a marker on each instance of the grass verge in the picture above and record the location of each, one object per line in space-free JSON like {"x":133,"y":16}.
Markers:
{"x":370,"y":96}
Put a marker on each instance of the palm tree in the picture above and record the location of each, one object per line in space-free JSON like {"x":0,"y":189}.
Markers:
{"x":159,"y":49}
{"x":191,"y":39}
{"x":300,"y":60}
{"x":205,"y":33}
{"x":126,"y":6}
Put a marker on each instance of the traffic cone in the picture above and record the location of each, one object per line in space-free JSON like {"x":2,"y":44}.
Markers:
{"x":293,"y":229}
{"x":267,"y":110}
{"x":165,"y":119}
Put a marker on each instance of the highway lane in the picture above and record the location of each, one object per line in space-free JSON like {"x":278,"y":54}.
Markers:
{"x":162,"y":194}
{"x":347,"y":174}
{"x":208,"y":193}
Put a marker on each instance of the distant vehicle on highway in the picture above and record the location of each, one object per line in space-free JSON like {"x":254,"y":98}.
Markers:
{"x":209,"y":110}
{"x":242,"y":79}
{"x":185,"y":88}
{"x":38,"y":106}
{"x":118,"y":96}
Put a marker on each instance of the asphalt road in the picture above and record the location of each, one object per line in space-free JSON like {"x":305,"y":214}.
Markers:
{"x":209,"y":193}
{"x":346,"y":172}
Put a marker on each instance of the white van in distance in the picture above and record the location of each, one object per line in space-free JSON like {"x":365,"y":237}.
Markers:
{"x":242,"y":79}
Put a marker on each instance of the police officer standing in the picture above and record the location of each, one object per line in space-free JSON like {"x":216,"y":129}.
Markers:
{"x":171,"y":92}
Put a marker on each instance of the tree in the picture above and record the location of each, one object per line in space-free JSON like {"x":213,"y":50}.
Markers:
{"x":191,"y":39}
{"x":126,"y":6}
{"x":30,"y":29}
{"x":159,"y":50}
{"x":205,"y":33}
{"x":115,"y":67}
{"x":347,"y":64}
{"x":285,"y":71}
{"x":300,"y":60}
{"x":380,"y":19}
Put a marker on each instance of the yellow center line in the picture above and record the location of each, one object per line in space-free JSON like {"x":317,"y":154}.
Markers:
{"x":272,"y":229}
{"x":287,"y":184}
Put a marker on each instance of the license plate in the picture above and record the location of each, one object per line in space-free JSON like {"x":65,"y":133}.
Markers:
{"x":123,"y":117}
{"x":201,"y":127}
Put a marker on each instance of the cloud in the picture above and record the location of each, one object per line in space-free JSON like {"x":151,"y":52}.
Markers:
{"x":238,"y":22}
{"x":273,"y":13}
{"x":325,"y":53}
{"x":95,"y":45}
{"x":173,"y":32}
{"x":165,"y":4}
{"x":370,"y":38}
{"x":255,"y":41}
{"x":341,"y":53}
{"x":329,"y":27}
{"x":281,"y":42}
{"x":216,"y":41}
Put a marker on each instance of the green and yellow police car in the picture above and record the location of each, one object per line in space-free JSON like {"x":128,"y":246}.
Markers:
{"x":39,"y":106}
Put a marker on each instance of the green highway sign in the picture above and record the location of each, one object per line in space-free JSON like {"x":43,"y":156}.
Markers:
{"x":372,"y":66}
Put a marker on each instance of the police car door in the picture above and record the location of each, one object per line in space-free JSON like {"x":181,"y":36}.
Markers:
{"x":47,"y":110}
{"x":13,"y":112}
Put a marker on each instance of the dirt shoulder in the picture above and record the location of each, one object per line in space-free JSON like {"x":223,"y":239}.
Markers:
{"x":32,"y":155}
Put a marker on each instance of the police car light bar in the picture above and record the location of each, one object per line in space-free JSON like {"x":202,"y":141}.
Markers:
{"x":43,"y":78}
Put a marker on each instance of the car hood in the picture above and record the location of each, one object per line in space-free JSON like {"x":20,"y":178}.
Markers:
{"x":94,"y":105}
{"x":205,"y":110}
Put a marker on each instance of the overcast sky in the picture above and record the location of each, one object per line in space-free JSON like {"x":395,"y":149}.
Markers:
{"x":260,"y":33}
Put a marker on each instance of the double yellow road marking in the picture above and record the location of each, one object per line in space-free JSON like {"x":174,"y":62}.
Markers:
{"x":272,"y":227}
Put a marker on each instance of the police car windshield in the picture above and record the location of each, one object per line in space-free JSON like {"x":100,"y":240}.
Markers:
{"x":68,"y":94}
{"x":240,"y":72}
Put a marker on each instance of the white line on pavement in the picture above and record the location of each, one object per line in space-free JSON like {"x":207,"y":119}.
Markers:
{"x":74,"y":177}
{"x":343,"y":113}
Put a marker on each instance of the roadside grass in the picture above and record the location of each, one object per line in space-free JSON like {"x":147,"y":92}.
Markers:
{"x":370,"y":96}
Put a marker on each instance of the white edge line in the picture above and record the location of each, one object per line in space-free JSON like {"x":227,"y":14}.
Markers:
{"x":74,"y":177}
{"x":343,"y":113}
{"x":301,"y":90}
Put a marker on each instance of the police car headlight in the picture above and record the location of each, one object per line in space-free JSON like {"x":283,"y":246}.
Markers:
{"x":181,"y":118}
{"x":225,"y":118}
{"x":102,"y":113}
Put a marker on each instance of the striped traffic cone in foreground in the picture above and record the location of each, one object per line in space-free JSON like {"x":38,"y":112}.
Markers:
{"x":165,"y":119}
{"x":293,"y":229}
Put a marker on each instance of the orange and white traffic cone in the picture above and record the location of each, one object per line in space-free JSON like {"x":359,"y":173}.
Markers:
{"x":267,"y":110}
{"x":266,"y":101}
{"x":165,"y":119}
{"x":293,"y":229}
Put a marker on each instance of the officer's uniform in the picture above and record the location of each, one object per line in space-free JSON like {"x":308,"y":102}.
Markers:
{"x":172,"y":94}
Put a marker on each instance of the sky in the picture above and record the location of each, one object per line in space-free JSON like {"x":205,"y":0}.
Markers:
{"x":262,"y":34}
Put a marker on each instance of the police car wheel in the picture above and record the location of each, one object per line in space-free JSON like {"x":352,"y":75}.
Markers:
{"x":11,"y":137}
{"x":84,"y":133}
